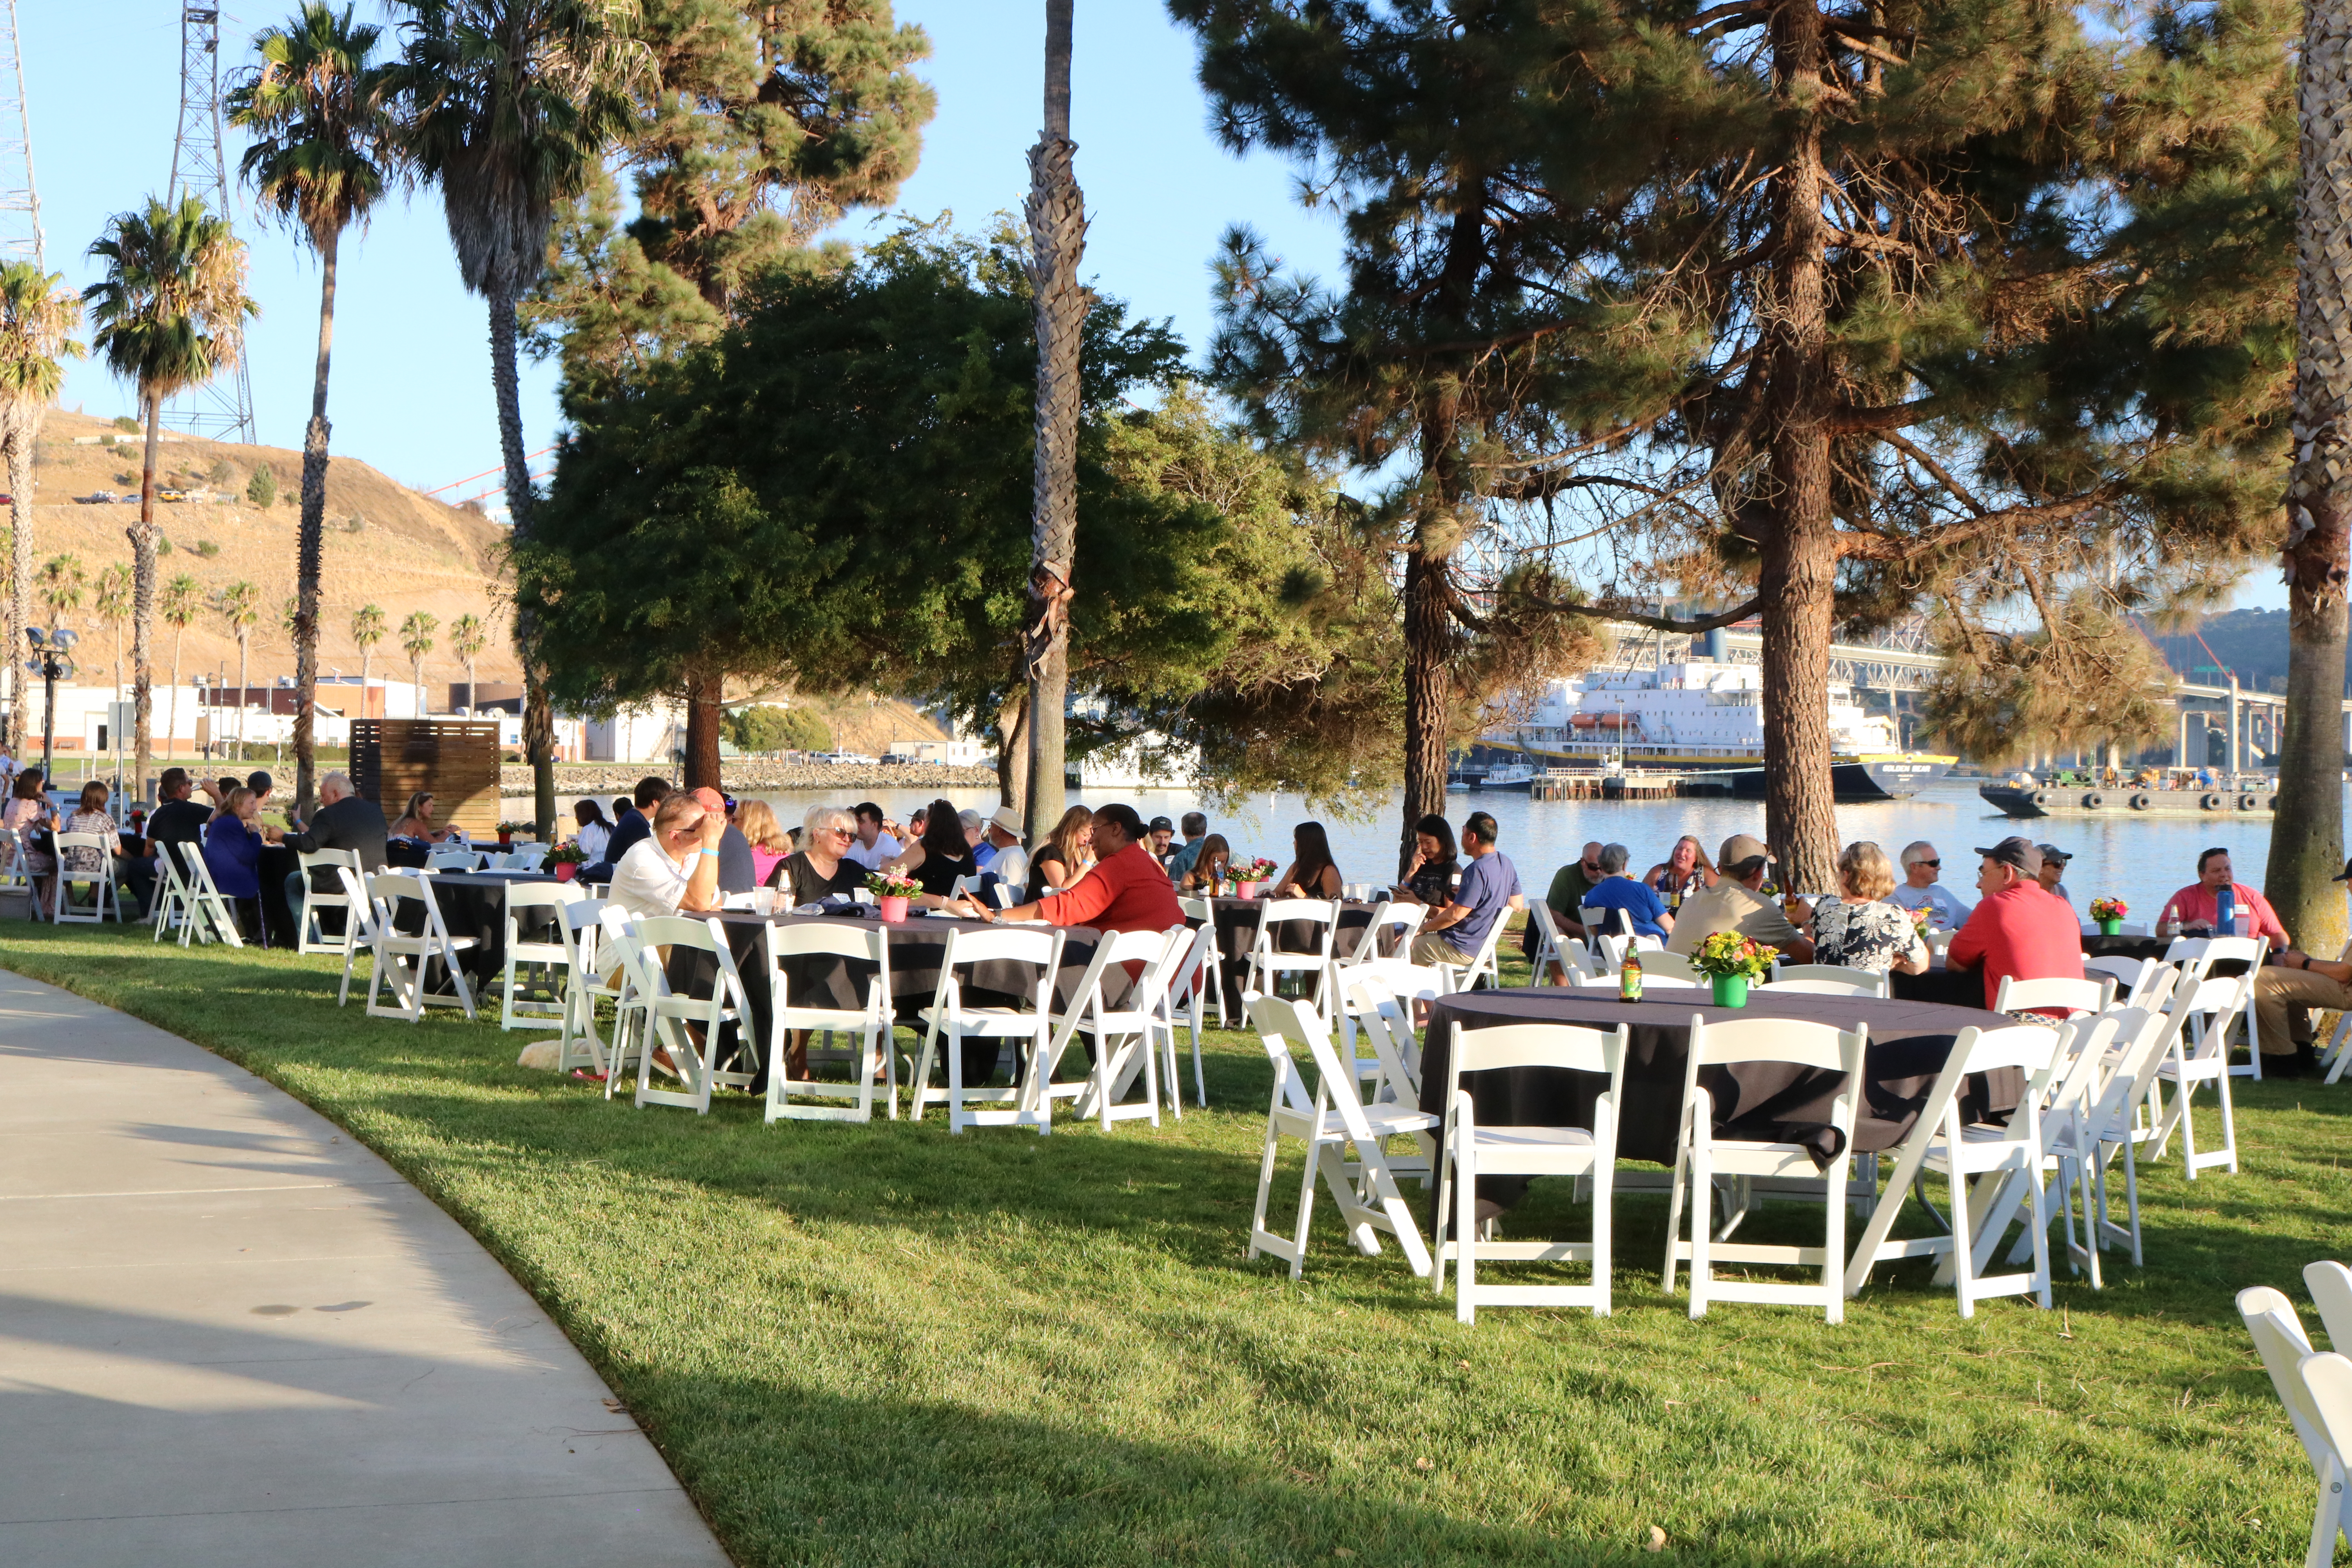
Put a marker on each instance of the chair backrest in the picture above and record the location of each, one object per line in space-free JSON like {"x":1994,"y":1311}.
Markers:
{"x":1566,"y":1046}
{"x":827,"y":939}
{"x":82,"y":841}
{"x":1861,"y":982}
{"x":2280,"y":1340}
{"x":447,"y":859}
{"x":681,"y":930}
{"x":580,"y":924}
{"x":2209,"y":1007}
{"x":528,"y":857}
{"x":1300,"y":1026}
{"x":1374,"y":1006}
{"x":312,"y":859}
{"x":1041,"y":950}
{"x":1149,"y":948}
{"x":1790,"y":1040}
{"x":1595,"y":920}
{"x":617,"y":934}
{"x":362,"y":908}
{"x":1662,"y":965}
{"x":1270,"y":1019}
{"x":2130,"y":976}
{"x":2330,"y":1284}
{"x":1388,"y":916}
{"x":2053,"y":994}
{"x":543,"y":896}
{"x":1196,"y":909}
{"x":1822,"y":987}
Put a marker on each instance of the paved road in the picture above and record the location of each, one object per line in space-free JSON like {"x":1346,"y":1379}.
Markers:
{"x":228,"y":1335}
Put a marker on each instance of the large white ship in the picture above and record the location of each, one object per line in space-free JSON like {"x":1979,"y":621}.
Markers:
{"x":1700,"y":715}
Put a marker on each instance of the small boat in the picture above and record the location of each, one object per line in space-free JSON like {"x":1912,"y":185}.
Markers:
{"x":2171,"y":793}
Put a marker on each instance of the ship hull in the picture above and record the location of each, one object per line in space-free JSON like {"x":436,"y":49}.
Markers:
{"x":2018,"y":801}
{"x":1860,"y":780}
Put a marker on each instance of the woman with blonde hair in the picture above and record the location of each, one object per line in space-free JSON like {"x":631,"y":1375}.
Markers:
{"x":757,"y":821}
{"x":821,"y":866}
{"x":1066,"y":856}
{"x":1685,"y":870}
{"x":416,"y":822}
{"x":1857,"y":926}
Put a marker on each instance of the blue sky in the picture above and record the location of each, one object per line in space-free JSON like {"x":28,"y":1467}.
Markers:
{"x":411,"y":386}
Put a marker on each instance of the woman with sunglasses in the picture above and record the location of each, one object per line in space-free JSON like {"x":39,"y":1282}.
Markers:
{"x":821,"y":866}
{"x":1921,"y":888}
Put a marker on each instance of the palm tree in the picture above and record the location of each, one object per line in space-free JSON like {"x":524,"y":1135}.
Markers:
{"x":60,"y":581}
{"x":110,"y":603}
{"x":316,"y":107}
{"x":468,"y":637}
{"x":182,"y":601}
{"x":170,"y":314}
{"x":239,"y":604}
{"x":367,"y":631}
{"x":1057,"y":229}
{"x":416,"y":641}
{"x":35,"y":315}
{"x":508,"y":106}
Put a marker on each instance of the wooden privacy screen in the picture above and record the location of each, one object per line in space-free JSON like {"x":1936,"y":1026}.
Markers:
{"x":392,"y":759}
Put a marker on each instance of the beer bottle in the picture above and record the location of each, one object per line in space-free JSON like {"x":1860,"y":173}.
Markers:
{"x":1629,"y":977}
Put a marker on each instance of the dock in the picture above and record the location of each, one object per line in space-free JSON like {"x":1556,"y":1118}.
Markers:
{"x":1591,"y":784}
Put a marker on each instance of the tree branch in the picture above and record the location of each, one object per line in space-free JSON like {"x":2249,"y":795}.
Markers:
{"x":1622,"y":610}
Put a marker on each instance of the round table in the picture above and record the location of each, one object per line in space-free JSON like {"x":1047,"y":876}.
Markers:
{"x":474,"y":904}
{"x":1775,"y":1101}
{"x":1237,"y":922}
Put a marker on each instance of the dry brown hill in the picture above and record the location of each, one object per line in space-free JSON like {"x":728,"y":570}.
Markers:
{"x":385,"y":545}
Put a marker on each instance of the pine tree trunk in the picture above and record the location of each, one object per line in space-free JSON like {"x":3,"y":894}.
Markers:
{"x":142,"y":601}
{"x":703,"y":707}
{"x":312,"y":543}
{"x":1797,"y":579}
{"x":1427,"y":697}
{"x":1056,"y":241}
{"x":2307,"y":836}
{"x":538,"y":719}
{"x":20,"y":580}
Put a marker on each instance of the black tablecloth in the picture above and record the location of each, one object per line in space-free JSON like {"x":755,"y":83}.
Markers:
{"x":1773,"y":1101}
{"x":475,"y":904}
{"x":277,"y":862}
{"x":1965,"y":987}
{"x":1237,"y":922}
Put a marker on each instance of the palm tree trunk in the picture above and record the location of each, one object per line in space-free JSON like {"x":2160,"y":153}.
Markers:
{"x":2307,"y":836}
{"x":242,"y":646}
{"x":20,"y":583}
{"x":703,"y":707}
{"x":416,"y":678}
{"x":312,"y":543}
{"x":143,"y":599}
{"x":471,"y":707}
{"x":538,"y":720}
{"x":1057,"y":225}
{"x":172,"y":724}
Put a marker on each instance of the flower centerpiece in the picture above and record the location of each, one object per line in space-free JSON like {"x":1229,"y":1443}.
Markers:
{"x":1733,"y":962}
{"x":1923,"y":918}
{"x":2109,"y":913}
{"x":891,"y":893}
{"x":510,"y":831}
{"x":567,"y":858}
{"x":1249,"y":876}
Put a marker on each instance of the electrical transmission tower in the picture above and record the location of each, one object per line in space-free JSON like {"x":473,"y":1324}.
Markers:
{"x":20,"y":204}
{"x":221,"y":409}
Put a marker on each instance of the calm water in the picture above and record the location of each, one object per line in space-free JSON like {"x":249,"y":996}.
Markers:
{"x":2140,"y":859}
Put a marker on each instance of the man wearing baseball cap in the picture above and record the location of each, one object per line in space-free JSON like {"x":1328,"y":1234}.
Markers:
{"x":2054,"y":868}
{"x":2286,"y":990}
{"x":1737,"y":903}
{"x":2021,"y":928}
{"x":1157,"y":835}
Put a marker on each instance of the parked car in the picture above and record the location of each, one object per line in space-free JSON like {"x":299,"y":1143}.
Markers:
{"x":170,"y":492}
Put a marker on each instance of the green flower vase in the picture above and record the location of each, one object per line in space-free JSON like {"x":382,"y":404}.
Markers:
{"x":2111,"y":927}
{"x":1730,"y":990}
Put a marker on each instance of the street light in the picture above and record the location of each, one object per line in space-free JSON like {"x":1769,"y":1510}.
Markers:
{"x":52,"y":660}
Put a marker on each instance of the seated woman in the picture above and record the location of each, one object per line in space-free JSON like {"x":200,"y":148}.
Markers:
{"x":934,"y":861}
{"x":1312,"y":874}
{"x":1435,"y":867}
{"x":28,"y":812}
{"x":1208,"y":868}
{"x":416,"y":822}
{"x":1064,"y":857}
{"x":90,"y":817}
{"x":821,"y":866}
{"x":1857,"y":926}
{"x":233,"y":856}
{"x":1685,"y":870}
{"x":594,"y":832}
{"x":756,"y":820}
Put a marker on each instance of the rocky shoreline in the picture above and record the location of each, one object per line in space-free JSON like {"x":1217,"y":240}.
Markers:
{"x":741,"y":777}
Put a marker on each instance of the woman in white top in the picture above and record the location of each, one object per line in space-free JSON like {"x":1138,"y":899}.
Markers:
{"x":675,"y":866}
{"x":594,"y":831}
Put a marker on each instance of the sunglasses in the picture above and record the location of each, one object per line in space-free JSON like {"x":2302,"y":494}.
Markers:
{"x":1938,"y":863}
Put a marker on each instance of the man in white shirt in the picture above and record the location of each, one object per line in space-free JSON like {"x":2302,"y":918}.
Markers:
{"x":1010,"y":862}
{"x":675,"y":866}
{"x":872,"y":848}
{"x":1921,"y":890}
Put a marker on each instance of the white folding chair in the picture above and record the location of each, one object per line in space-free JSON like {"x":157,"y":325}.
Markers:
{"x":1392,"y":1072}
{"x":1983,"y":1164}
{"x":1596,"y":919}
{"x":14,"y":874}
{"x":2200,"y":1055}
{"x":2107,"y":1121}
{"x":950,"y":1020}
{"x":673,"y":1021}
{"x":2054,"y":993}
{"x":1700,"y":1156}
{"x":1329,"y":1119}
{"x":2196,"y":956}
{"x":1203,"y":911}
{"x":1392,"y":928}
{"x":174,"y":905}
{"x":633,"y":991}
{"x":359,"y":914}
{"x":1614,"y":948}
{"x":1268,"y":964}
{"x":1661,"y":964}
{"x":2132,"y":977}
{"x":1541,"y":967}
{"x":310,"y":930}
{"x":1195,"y":974}
{"x":2330,"y":1284}
{"x":403,"y":960}
{"x":215,"y":917}
{"x":551,"y":958}
{"x":870,"y":1023}
{"x":579,"y":927}
{"x":1468,"y":1149}
{"x":1127,"y":1036}
{"x":446,"y":859}
{"x":1824,"y":979}
{"x":105,"y":903}
{"x":2317,"y":1390}
{"x":1482,"y":963}
{"x":527,"y":857}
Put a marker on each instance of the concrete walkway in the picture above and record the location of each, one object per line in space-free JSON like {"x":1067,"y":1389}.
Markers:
{"x":228,"y":1335}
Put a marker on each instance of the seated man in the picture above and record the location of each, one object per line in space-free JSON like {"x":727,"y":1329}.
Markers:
{"x":1568,"y":886}
{"x":1737,"y":902}
{"x":1196,"y":832}
{"x":1637,"y":901}
{"x":343,"y":821}
{"x":1161,"y":840}
{"x":629,"y":829}
{"x":1921,"y":890}
{"x":2053,"y":868}
{"x":1124,"y":890}
{"x":675,"y":866}
{"x":2018,"y":928}
{"x":2197,"y":906}
{"x":1006,"y":859}
{"x":2285,"y":991}
{"x":178,"y":820}
{"x":1488,"y":891}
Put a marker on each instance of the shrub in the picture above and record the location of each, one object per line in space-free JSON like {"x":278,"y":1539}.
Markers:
{"x":766,"y":728}
{"x":220,"y":473}
{"x":356,"y":524}
{"x":262,"y":489}
{"x":125,"y":422}
{"x":207,"y":549}
{"x":163,"y":545}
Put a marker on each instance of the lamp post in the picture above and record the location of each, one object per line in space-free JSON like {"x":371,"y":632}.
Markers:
{"x":52,"y":660}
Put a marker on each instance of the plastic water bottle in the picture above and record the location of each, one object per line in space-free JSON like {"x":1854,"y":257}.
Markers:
{"x":2169,"y":926}
{"x":2225,"y":911}
{"x":1629,"y":978}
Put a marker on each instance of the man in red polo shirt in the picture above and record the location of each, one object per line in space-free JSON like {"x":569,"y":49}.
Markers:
{"x":2020,"y":929}
{"x":1125,"y":890}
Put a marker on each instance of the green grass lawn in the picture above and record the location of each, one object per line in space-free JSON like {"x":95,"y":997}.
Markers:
{"x":882,"y":1344}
